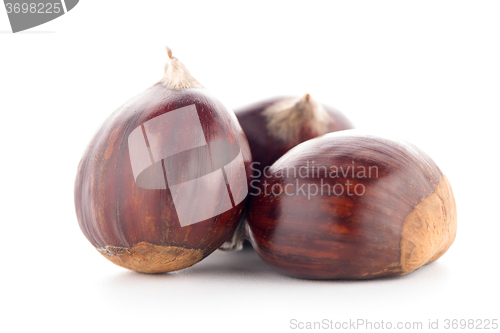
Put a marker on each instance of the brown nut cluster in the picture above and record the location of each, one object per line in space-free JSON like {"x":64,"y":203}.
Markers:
{"x":168,"y":179}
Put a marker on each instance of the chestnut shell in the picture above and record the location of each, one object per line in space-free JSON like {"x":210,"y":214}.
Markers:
{"x":405,"y":218}
{"x":138,"y":228}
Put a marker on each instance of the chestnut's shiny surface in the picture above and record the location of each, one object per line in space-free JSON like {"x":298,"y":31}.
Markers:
{"x":352,"y":206}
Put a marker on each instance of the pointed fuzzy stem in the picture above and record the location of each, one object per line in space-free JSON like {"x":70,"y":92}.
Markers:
{"x":176,"y":75}
{"x":286,"y":119}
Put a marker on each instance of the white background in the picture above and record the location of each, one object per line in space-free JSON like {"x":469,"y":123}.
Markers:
{"x":425,"y":71}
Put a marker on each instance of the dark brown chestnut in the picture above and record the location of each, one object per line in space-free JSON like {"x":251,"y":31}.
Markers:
{"x":164,"y":181}
{"x":275,"y":125}
{"x":352,"y":206}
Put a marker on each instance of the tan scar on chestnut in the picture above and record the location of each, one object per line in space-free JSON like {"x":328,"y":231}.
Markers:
{"x":430,"y":229}
{"x":145,"y":257}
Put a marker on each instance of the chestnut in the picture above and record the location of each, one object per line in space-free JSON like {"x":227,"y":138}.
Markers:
{"x":275,"y":125}
{"x":164,"y":181}
{"x":352,"y":206}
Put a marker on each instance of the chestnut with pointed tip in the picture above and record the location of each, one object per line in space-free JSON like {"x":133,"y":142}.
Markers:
{"x":164,"y":181}
{"x":275,"y":125}
{"x":352,"y":206}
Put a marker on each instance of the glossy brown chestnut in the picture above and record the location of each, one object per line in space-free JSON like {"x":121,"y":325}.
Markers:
{"x":352,"y":206}
{"x":164,"y":181}
{"x":275,"y":125}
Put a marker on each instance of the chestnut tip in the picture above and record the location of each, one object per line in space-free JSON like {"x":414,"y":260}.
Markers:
{"x":169,"y":52}
{"x":176,"y":75}
{"x":288,"y":119}
{"x":276,"y":125}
